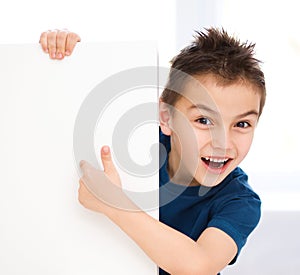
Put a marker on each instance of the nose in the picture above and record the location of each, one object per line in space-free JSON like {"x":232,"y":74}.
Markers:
{"x":222,"y":139}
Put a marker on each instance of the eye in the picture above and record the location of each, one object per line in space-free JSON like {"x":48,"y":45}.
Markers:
{"x":204,"y":121}
{"x":243,"y":124}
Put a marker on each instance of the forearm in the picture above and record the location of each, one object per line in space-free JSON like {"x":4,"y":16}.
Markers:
{"x":169,"y":249}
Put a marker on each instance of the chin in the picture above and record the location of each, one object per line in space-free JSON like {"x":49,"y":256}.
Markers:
{"x":211,"y":179}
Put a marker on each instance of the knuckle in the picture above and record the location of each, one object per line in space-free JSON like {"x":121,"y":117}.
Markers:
{"x":72,"y":36}
{"x":61,"y":36}
{"x":43,"y":36}
{"x":60,"y":42}
{"x":52,"y":34}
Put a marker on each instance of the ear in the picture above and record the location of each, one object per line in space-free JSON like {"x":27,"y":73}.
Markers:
{"x":164,"y":118}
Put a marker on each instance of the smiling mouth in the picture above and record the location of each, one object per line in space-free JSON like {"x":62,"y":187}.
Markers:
{"x":215,"y":163}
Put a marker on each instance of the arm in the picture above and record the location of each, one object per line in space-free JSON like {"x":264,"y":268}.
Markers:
{"x":173,"y":251}
{"x":169,"y":249}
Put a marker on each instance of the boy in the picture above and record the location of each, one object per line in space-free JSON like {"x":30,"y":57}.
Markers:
{"x":208,"y":113}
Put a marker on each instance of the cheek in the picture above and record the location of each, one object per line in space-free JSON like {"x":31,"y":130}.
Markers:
{"x":243,"y":145}
{"x":204,"y":138}
{"x":184,"y":135}
{"x":191,"y":140}
{"x":186,"y":145}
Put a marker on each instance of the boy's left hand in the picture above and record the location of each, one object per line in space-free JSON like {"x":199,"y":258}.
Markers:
{"x":59,"y":43}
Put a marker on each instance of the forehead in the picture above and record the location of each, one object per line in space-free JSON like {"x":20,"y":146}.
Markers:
{"x":208,"y":90}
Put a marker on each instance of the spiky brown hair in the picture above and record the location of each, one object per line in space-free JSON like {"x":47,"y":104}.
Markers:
{"x":215,"y":52}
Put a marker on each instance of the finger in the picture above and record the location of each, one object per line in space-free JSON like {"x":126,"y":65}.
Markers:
{"x":81,"y":191}
{"x":51,"y":42}
{"x":72,"y":39}
{"x":82,"y":186}
{"x":43,"y":42}
{"x":108,"y":165}
{"x":81,"y":183}
{"x":84,"y":165}
{"x":61,"y":38}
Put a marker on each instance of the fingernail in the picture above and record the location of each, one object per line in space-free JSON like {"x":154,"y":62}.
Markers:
{"x":67,"y":53}
{"x":59,"y":55}
{"x":105,"y":149}
{"x":52,"y":55}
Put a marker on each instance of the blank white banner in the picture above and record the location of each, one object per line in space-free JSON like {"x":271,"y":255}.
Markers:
{"x":43,"y":228}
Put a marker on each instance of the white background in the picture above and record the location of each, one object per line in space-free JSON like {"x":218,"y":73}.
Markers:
{"x":272,"y":164}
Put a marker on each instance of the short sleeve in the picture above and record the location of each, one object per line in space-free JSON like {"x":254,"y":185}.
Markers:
{"x":237,"y":217}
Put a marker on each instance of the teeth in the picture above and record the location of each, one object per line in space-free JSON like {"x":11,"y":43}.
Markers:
{"x":216,"y":160}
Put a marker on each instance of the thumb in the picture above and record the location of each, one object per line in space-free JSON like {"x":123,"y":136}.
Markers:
{"x":108,"y":165}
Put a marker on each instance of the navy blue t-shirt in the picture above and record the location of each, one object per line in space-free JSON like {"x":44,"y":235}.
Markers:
{"x":232,"y":206}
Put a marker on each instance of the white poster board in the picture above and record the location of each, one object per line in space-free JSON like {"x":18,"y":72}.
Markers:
{"x":43,"y":228}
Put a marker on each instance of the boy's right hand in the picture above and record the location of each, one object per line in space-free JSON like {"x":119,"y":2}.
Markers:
{"x":58,"y":43}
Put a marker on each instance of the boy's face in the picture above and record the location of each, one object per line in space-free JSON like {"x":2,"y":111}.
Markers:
{"x":211,"y":129}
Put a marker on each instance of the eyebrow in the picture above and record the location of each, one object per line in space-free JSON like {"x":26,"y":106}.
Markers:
{"x":203,"y":107}
{"x":249,"y":113}
{"x":208,"y":109}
